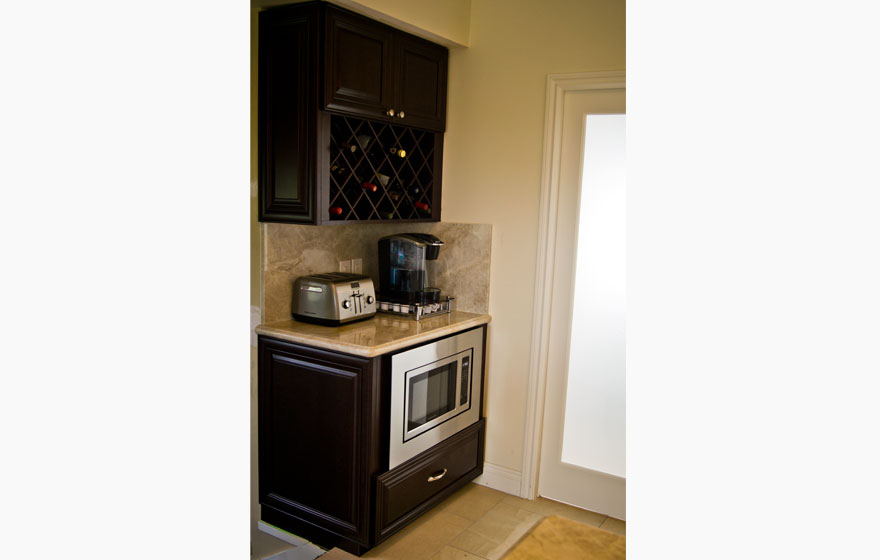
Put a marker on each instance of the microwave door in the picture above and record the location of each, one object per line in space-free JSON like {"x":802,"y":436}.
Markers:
{"x":432,"y":395}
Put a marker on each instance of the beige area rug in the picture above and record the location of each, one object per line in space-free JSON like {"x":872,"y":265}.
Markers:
{"x":560,"y":538}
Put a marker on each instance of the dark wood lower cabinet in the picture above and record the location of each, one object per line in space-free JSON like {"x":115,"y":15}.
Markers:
{"x":323,"y":450}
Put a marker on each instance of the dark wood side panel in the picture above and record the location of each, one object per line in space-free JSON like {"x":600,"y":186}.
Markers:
{"x":288,"y":55}
{"x":437,"y":181}
{"x":322,"y":152}
{"x":421,"y":82}
{"x":358,"y":66}
{"x":316,"y":423}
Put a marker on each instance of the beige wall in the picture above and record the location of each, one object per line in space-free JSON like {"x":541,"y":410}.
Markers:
{"x":443,"y":21}
{"x":492,"y":164}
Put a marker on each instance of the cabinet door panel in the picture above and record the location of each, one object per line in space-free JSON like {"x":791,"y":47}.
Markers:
{"x":421,"y":83}
{"x":287,"y":94}
{"x":314,"y":412}
{"x":358,"y":69}
{"x":303,"y":395}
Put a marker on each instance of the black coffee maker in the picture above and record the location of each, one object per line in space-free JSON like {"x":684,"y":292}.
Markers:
{"x":402,"y":269}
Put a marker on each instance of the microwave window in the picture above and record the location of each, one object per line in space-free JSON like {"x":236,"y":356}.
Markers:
{"x":431,"y":394}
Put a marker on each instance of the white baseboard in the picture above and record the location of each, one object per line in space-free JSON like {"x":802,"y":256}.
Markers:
{"x":500,"y":478}
{"x":281,"y":534}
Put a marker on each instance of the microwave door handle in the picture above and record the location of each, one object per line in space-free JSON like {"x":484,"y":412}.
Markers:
{"x":458,"y":380}
{"x":461,"y":380}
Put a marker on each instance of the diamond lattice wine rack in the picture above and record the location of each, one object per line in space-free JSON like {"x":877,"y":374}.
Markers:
{"x":381,"y":172}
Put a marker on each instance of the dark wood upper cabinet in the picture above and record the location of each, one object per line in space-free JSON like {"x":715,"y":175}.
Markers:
{"x":377,"y":72}
{"x":287,"y":119}
{"x":358,"y":74}
{"x":421,"y":82}
{"x":318,"y":61}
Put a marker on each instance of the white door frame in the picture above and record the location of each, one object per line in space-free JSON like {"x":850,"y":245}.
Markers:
{"x":557,"y":86}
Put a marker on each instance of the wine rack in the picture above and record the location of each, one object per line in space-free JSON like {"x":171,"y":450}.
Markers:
{"x":381,"y":172}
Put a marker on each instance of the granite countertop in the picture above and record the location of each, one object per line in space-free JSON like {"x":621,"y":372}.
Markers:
{"x":379,"y":335}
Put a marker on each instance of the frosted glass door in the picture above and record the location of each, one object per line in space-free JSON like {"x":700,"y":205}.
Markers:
{"x":583,"y":438}
{"x":594,"y":431}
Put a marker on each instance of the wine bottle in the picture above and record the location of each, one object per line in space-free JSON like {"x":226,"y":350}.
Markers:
{"x":383,"y":179}
{"x":364,"y":141}
{"x":375,"y":154}
{"x":395,"y":195}
{"x":414,"y":190}
{"x":336,"y":210}
{"x":398,"y":152}
{"x":369,"y":187}
{"x":423,"y":207}
{"x":348,"y":146}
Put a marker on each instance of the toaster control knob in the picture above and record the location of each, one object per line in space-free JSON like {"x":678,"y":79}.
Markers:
{"x":346,"y":304}
{"x":370,"y":300}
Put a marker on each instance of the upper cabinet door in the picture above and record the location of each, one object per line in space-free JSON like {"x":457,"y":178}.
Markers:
{"x":420,"y":96}
{"x":288,"y":87}
{"x":358,"y":68}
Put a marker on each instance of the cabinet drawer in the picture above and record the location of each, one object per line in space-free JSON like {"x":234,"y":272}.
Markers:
{"x":412,"y":488}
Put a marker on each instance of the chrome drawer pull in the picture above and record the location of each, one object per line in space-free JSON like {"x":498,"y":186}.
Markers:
{"x":432,"y":478}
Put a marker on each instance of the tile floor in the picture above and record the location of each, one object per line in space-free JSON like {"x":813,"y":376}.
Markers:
{"x":479,"y":523}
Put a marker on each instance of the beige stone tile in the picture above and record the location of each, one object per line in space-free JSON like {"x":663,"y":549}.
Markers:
{"x":613,"y":525}
{"x":496,"y":531}
{"x":547,"y":507}
{"x":337,"y":554}
{"x":291,"y":250}
{"x":452,"y":553}
{"x":422,"y":539}
{"x":472,"y":501}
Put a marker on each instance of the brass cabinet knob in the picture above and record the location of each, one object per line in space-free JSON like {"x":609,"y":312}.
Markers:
{"x":390,"y":112}
{"x":400,"y":114}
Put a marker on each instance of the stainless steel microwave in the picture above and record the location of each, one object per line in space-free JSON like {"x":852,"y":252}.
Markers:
{"x":435,"y":393}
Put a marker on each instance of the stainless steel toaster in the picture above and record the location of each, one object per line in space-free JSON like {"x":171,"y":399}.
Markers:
{"x":334,"y":298}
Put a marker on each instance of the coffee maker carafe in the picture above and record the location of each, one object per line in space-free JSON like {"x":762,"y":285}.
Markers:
{"x":402,"y":268}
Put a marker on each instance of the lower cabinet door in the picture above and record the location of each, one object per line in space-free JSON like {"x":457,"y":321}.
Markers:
{"x":417,"y":485}
{"x":317,"y":461}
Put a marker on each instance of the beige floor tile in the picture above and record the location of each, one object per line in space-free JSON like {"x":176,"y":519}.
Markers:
{"x":423,"y":539}
{"x":338,"y":554}
{"x":264,"y":545}
{"x":547,"y":507}
{"x":452,"y":553}
{"x":496,"y":531}
{"x":472,"y":501}
{"x":614,"y":526}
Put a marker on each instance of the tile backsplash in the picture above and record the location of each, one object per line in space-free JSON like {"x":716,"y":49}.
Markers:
{"x":289,"y":251}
